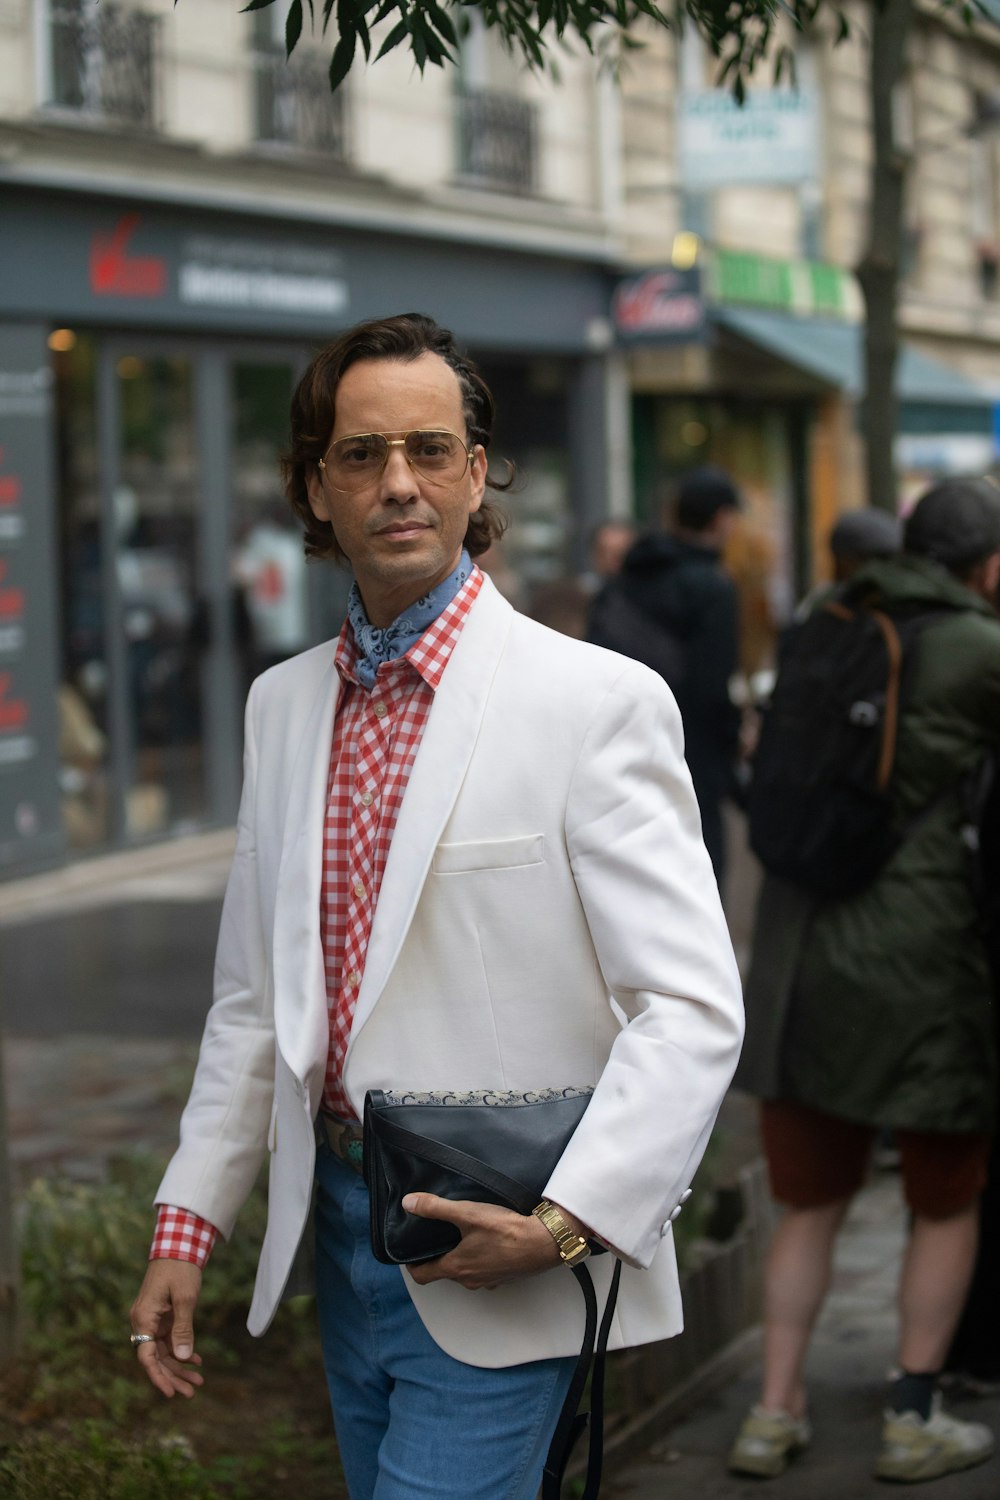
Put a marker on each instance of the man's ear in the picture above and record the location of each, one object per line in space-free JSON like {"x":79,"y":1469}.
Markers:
{"x":317,"y":494}
{"x":477,"y":476}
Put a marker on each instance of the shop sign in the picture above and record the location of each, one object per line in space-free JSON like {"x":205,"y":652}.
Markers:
{"x":260,"y":275}
{"x":771,"y":138}
{"x":665,"y":305}
{"x":809,"y":288}
{"x":30,"y":827}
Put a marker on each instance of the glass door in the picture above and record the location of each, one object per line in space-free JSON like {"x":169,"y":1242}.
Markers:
{"x":152,"y":523}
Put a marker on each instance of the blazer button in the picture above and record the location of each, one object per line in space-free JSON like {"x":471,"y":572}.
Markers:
{"x":675,"y":1213}
{"x":685,"y":1195}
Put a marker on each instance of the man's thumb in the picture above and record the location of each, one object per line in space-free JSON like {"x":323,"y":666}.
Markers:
{"x":424,"y":1205}
{"x":182,"y":1337}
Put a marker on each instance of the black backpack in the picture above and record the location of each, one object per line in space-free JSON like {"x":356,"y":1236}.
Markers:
{"x":821,"y":812}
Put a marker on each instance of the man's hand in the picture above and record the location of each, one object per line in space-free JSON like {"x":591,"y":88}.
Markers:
{"x":165,"y":1308}
{"x":498,"y":1245}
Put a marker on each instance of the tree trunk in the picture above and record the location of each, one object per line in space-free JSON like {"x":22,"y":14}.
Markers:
{"x":9,"y":1279}
{"x":879,"y":270}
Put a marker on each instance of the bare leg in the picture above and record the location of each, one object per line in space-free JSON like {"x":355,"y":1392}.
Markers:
{"x":796,"y":1281}
{"x":937,"y":1269}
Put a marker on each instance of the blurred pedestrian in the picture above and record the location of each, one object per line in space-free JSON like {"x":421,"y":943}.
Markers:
{"x":872,"y":1010}
{"x":468,"y":859}
{"x":856,"y":538}
{"x":860,"y":537}
{"x":674,"y":607}
{"x":609,"y":544}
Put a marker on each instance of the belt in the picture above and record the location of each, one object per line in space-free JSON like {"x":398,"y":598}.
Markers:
{"x":342,"y":1138}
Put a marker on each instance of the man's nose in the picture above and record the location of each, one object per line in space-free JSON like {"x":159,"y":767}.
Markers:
{"x":399,"y":482}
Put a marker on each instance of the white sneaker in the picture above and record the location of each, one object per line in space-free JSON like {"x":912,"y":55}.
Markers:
{"x":766,"y":1441}
{"x":914,"y":1448}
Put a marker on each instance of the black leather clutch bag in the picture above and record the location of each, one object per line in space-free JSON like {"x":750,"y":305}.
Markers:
{"x":483,"y":1147}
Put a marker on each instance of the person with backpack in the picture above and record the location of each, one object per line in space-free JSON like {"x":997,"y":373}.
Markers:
{"x":674,"y":608}
{"x":868,"y":998}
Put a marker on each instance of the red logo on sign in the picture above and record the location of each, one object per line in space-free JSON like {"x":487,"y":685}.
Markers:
{"x":12,"y":600}
{"x":115,"y":273}
{"x":658,"y":302}
{"x":13,"y":711}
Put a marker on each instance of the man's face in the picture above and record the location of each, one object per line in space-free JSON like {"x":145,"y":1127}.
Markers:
{"x":403,"y":534}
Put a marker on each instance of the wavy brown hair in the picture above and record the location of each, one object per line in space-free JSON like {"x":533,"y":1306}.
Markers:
{"x":405,"y":337}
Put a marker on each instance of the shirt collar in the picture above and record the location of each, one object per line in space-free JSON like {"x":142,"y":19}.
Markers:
{"x":431,"y":652}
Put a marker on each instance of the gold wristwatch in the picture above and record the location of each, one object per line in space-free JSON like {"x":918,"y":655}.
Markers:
{"x":572,"y":1247}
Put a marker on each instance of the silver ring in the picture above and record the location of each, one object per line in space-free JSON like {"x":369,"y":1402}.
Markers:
{"x":135,"y":1339}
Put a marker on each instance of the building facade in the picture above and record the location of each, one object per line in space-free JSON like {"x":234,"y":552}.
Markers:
{"x":742,"y":315}
{"x":184,"y":218}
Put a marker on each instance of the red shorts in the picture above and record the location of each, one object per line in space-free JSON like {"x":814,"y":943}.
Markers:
{"x":814,"y":1159}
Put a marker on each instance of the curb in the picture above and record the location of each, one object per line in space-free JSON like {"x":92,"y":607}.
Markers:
{"x":86,"y":880}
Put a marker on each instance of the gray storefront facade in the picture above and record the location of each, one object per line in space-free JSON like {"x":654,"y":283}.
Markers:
{"x":147,"y":568}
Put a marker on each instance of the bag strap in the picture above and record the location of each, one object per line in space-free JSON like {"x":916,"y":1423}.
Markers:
{"x":450,"y":1157}
{"x":571,"y":1422}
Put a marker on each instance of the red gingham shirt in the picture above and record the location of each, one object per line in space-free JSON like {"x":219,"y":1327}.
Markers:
{"x":376,"y":736}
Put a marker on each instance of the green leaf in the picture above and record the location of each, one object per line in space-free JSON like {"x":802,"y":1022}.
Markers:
{"x":343,"y":56}
{"x":442,"y":21}
{"x":398,"y":34}
{"x":293,"y":26}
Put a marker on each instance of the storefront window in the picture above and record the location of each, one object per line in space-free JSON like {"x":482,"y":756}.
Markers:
{"x":268,"y":560}
{"x":83,"y":699}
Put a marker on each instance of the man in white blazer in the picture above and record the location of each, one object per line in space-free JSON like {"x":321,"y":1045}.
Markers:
{"x":468,"y":857}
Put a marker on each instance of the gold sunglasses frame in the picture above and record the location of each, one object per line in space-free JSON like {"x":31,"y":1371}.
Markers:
{"x":391,"y":443}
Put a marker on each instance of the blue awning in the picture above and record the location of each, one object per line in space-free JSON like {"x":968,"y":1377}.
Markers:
{"x":832,"y":353}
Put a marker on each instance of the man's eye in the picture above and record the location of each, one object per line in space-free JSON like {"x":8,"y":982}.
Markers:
{"x":359,"y":453}
{"x":433,"y":446}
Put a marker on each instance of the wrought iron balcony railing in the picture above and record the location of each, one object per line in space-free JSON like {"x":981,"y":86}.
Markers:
{"x":104,"y":62}
{"x":497,"y":140}
{"x":294,"y":105}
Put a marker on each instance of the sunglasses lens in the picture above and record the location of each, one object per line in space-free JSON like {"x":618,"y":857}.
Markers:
{"x":439,"y":455}
{"x":354,"y":462}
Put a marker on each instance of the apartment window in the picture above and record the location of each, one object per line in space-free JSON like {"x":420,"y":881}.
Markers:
{"x":497,"y":140}
{"x":102,"y":61}
{"x":985,"y":215}
{"x":293,"y":105}
{"x":496,"y":128}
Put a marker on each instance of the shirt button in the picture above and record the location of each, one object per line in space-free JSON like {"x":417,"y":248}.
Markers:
{"x":367,"y":799}
{"x":380,"y":710}
{"x":359,"y":889}
{"x":353,"y":980}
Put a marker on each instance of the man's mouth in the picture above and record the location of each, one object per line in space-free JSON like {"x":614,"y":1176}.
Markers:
{"x":403,"y":528}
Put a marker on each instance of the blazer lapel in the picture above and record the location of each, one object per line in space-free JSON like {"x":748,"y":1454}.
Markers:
{"x":300,"y":1015}
{"x":438,"y":771}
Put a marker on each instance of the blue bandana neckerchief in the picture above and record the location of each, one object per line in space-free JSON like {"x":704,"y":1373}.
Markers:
{"x":377,"y":646}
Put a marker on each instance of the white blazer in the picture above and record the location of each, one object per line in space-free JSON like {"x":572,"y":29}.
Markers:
{"x":548,"y":917}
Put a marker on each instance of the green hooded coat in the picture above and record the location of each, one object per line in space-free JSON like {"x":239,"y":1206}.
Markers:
{"x":877,"y":1007}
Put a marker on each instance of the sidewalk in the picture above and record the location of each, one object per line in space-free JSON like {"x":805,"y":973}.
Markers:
{"x":105,"y":979}
{"x":852,"y":1350}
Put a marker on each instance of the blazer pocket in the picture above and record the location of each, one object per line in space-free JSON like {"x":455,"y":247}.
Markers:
{"x":489,"y":854}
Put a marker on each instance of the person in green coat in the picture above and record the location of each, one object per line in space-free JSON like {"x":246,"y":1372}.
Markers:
{"x":873,"y":1011}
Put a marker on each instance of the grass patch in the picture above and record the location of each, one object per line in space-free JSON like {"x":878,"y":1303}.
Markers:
{"x":77,"y":1418}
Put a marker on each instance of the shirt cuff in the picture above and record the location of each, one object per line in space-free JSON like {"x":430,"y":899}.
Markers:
{"x":181,"y":1235}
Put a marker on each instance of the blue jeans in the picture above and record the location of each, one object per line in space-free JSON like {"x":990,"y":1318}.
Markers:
{"x":412,"y":1422}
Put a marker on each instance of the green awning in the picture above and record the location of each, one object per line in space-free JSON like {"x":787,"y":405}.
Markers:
{"x":832,"y":352}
